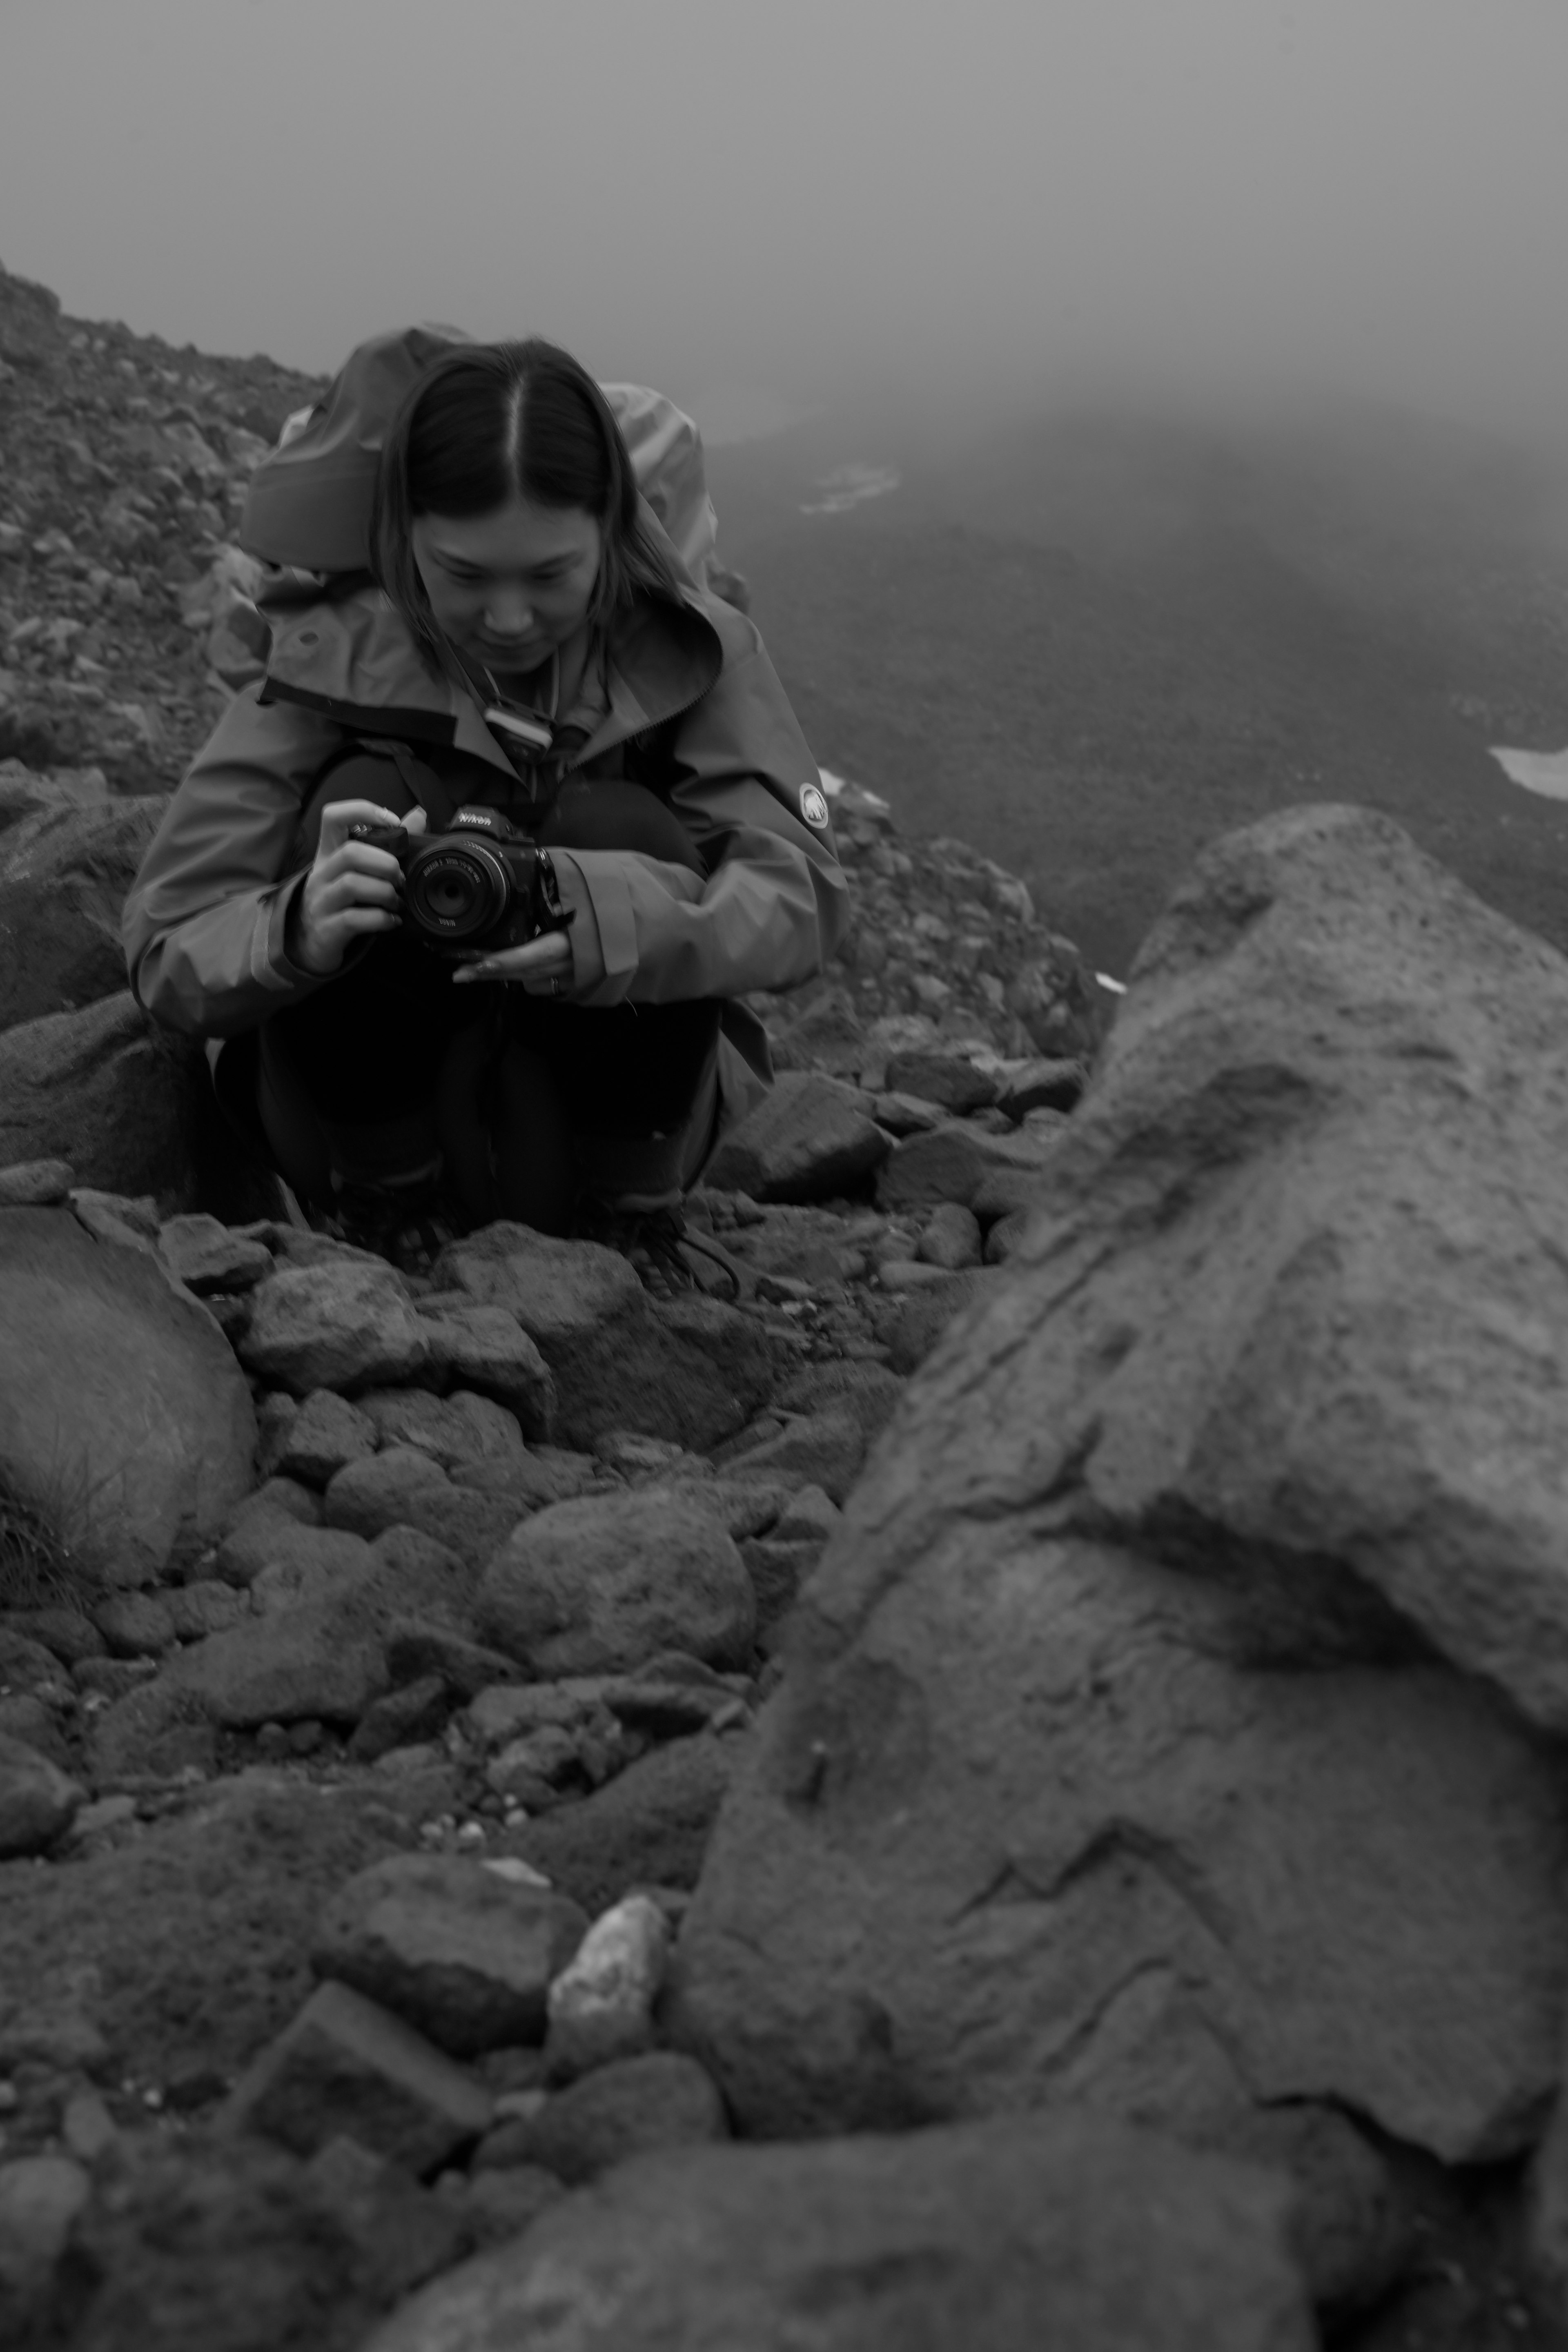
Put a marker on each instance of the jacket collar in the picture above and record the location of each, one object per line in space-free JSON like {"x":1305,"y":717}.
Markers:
{"x":351,"y":658}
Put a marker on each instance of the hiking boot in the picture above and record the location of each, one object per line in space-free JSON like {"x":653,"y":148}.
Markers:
{"x":665,"y":1255}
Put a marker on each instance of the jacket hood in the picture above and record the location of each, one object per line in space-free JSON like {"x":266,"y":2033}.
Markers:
{"x":308,"y":505}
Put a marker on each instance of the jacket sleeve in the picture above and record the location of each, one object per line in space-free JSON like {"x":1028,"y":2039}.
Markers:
{"x":775,"y":905}
{"x":204,"y":925}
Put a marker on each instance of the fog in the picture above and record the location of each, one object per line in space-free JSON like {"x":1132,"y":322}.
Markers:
{"x":766,"y":207}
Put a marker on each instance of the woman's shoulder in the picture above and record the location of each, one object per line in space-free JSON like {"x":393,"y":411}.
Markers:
{"x":350,"y":651}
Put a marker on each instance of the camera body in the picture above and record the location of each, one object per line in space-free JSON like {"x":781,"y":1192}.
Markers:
{"x":480,"y":886}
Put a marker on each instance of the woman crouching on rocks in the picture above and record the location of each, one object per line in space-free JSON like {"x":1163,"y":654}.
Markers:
{"x":473,"y":877}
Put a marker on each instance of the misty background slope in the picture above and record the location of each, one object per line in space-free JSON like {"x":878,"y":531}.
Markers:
{"x":1218,"y":349}
{"x":1090,"y":644}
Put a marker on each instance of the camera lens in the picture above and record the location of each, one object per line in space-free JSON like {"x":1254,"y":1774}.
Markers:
{"x":455,"y":890}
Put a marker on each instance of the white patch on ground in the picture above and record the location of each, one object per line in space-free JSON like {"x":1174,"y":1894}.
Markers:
{"x":833,"y":785}
{"x":851,"y":485}
{"x":1545,"y":772}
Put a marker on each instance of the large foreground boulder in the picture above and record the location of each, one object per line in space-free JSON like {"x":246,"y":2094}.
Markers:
{"x":999,"y":2237}
{"x":125,"y":1422}
{"x":1157,"y":1728}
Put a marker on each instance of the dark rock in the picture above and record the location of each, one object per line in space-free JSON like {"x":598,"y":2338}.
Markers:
{"x":157,"y":1731}
{"x":36,"y":1724}
{"x":452,"y":1947}
{"x":1012,"y":2234}
{"x":660,"y":2099}
{"x":911,"y":1330}
{"x":459,"y":1428}
{"x":209,"y":1259}
{"x":949,"y":1238}
{"x":476,"y":1346}
{"x":810,"y":1138}
{"x":1353,"y":2225}
{"x":101,"y":1089}
{"x":401,"y":2234}
{"x":948,"y":1079}
{"x":871,"y":1391}
{"x":777,"y":1569}
{"x":37,"y":1800}
{"x":1042,"y":1085}
{"x":126,"y":1420}
{"x":64,"y":876}
{"x":600,"y":1584}
{"x":413,"y":1711}
{"x":405,"y":1487}
{"x":134,"y":1625}
{"x":529,"y":1480}
{"x":690,"y":1370}
{"x":953,"y":1163}
{"x":322,"y":1655}
{"x":324,"y":1437}
{"x":185,"y":1946}
{"x":35,"y":1183}
{"x":346,"y":2067}
{"x":415,"y":1651}
{"x":40,"y":2197}
{"x":25,"y":1664}
{"x":827,"y":1450}
{"x":272,"y":1552}
{"x":65,"y":1632}
{"x":647,"y":1827}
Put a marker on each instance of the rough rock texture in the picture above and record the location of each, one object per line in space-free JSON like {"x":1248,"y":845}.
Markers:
{"x":344,"y":2066}
{"x":405,"y":1487}
{"x":103,"y":1090}
{"x":37,"y":1800}
{"x":345,"y":1324}
{"x":662,"y":2099}
{"x":320,"y":1651}
{"x":1302,"y":1278}
{"x":691,"y":1371}
{"x":189,"y":1947}
{"x":486,"y":1348}
{"x":1007,"y":2235}
{"x":64,"y":875}
{"x":952,"y":1163}
{"x":602,"y":1584}
{"x":810,"y":1139}
{"x":208,"y":1257}
{"x":458,"y":1951}
{"x":1057,"y":1823}
{"x":1178,"y":1827}
{"x":123,"y":1415}
{"x":647,"y":1827}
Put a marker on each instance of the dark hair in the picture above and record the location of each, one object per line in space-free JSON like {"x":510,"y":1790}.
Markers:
{"x":498,"y":421}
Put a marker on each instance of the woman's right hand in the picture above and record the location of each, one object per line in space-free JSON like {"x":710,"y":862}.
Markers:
{"x":350,"y":889}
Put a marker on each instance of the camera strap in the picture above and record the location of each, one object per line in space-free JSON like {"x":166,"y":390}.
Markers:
{"x":423,"y":785}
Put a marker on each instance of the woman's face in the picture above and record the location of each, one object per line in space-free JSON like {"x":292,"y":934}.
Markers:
{"x":508,"y":588}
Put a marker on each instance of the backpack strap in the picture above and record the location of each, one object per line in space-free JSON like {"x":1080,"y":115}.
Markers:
{"x":421,"y":782}
{"x":416,"y":786}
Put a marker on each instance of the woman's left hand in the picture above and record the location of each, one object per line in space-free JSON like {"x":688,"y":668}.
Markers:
{"x":543,"y":966}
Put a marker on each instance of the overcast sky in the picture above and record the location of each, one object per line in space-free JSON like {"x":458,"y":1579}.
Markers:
{"x":810,"y":195}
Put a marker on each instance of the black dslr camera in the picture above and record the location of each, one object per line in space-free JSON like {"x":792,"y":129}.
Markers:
{"x":482,"y":886}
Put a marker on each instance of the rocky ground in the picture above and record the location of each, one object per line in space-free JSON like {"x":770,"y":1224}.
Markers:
{"x":1000,"y":1785}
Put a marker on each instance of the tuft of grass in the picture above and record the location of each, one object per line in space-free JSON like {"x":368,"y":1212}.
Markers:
{"x":47,"y":1555}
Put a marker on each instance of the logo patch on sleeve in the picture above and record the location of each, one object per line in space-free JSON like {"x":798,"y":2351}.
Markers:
{"x":814,"y":807}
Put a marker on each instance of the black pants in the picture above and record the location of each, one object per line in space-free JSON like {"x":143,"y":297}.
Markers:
{"x":389,"y":1066}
